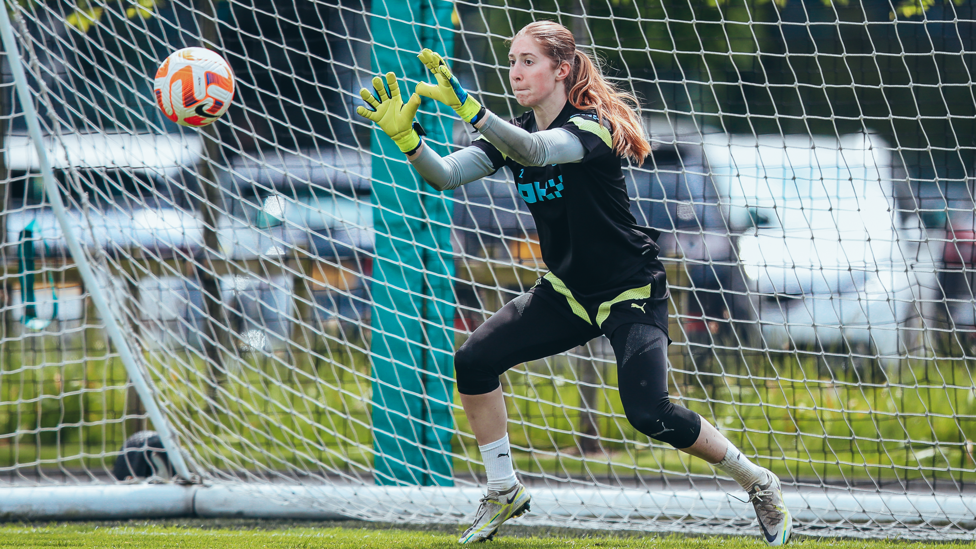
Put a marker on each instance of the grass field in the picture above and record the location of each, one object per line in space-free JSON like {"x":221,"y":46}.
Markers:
{"x":239,"y":534}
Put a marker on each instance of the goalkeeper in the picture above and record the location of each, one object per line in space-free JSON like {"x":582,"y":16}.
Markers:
{"x":566,"y":156}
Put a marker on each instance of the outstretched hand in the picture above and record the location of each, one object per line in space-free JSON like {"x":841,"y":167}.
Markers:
{"x":448,"y":90}
{"x":390,"y":113}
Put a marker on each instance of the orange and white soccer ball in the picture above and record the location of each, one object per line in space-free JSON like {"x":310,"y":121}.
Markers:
{"x":194,"y":87}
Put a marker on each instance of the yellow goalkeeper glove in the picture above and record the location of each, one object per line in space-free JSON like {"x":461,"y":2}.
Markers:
{"x":391,"y":114}
{"x":448,"y":90}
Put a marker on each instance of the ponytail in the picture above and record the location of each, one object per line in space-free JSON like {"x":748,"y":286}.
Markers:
{"x":587,"y":89}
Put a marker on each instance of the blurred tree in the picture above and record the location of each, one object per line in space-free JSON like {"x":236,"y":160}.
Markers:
{"x":86,"y":15}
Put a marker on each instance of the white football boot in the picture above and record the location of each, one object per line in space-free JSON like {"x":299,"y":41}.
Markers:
{"x":496,"y":508}
{"x":775,"y":520}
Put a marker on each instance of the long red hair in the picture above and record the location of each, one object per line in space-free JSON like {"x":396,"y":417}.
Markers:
{"x":589,"y":90}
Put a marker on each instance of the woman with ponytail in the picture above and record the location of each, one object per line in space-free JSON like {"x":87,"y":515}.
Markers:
{"x":566,"y":154}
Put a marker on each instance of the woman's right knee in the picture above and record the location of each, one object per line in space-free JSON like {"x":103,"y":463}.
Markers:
{"x":474,"y":373}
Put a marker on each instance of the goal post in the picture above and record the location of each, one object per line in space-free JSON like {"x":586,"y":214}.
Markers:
{"x":280,"y":297}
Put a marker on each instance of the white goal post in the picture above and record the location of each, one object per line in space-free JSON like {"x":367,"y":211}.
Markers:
{"x":279,"y":296}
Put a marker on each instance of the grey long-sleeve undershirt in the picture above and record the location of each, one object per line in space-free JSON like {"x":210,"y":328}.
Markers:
{"x":556,"y":146}
{"x":450,"y":172}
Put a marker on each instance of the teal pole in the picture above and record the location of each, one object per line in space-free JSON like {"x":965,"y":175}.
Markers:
{"x":412,"y":318}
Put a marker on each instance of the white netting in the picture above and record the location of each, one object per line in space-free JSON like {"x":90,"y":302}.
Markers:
{"x":811,"y":176}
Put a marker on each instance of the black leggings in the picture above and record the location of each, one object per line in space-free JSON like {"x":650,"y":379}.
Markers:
{"x":537,"y":324}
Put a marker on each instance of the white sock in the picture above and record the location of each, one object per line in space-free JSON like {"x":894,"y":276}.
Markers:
{"x":743,"y":471}
{"x":498,"y":465}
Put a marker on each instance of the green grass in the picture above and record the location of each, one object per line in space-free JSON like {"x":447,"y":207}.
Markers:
{"x":191,"y":534}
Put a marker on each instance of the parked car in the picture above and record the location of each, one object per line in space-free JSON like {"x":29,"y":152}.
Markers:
{"x":948,"y":210}
{"x":828,"y":260}
{"x":319,"y":202}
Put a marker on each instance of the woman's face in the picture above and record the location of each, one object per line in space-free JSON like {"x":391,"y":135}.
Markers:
{"x":531,"y":74}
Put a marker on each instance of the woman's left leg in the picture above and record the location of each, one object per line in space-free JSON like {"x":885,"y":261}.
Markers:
{"x":642,"y":377}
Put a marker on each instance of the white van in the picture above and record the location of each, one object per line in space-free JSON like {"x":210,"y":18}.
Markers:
{"x":829,"y":261}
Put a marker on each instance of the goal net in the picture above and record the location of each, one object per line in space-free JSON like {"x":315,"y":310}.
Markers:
{"x":280,"y":296}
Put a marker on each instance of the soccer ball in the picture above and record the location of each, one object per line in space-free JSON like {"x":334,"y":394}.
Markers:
{"x":194,"y":87}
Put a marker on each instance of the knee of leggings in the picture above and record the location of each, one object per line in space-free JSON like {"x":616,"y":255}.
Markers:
{"x":474,"y":376}
{"x":664,"y":421}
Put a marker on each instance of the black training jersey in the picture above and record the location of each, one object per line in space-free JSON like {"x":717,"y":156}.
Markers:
{"x":588,"y":235}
